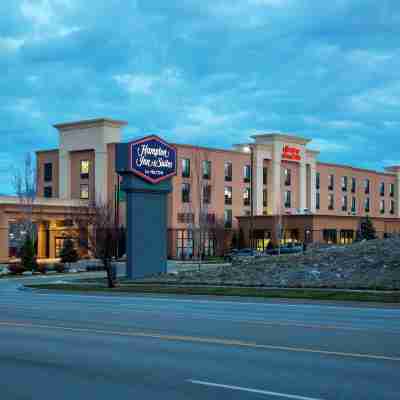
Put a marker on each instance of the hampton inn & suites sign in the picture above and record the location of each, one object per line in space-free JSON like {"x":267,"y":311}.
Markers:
{"x":152,"y":159}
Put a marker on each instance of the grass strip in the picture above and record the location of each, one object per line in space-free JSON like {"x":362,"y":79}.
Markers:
{"x":326,"y":294}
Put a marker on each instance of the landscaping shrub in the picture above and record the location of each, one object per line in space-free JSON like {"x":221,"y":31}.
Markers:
{"x":59,"y":267}
{"x":42,"y":268}
{"x":28,"y":257}
{"x":68,"y":253}
{"x":367,"y":230}
{"x":16,"y":269}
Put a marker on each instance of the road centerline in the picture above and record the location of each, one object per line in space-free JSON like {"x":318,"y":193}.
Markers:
{"x":199,"y":339}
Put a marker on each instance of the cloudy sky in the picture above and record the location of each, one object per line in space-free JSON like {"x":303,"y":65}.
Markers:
{"x":207,"y":72}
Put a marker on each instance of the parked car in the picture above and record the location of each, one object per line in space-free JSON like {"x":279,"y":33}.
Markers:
{"x":4,"y":270}
{"x":248,"y":252}
{"x":288,"y":248}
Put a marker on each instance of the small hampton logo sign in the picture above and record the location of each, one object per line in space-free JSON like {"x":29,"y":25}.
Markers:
{"x":291,"y":153}
{"x":152,"y":159}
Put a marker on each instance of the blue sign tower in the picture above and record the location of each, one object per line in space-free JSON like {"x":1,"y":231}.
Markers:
{"x":146,"y":167}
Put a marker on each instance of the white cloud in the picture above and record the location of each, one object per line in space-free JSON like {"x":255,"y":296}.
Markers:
{"x":139,"y":83}
{"x":246,"y":13}
{"x":202,"y":122}
{"x":391,"y":124}
{"x":25,"y":106}
{"x":146,"y":83}
{"x":369,"y":58}
{"x":43,"y":12}
{"x":67,"y":31}
{"x":11,"y":44}
{"x":377,"y":99}
{"x":46,"y":18}
{"x":324,"y":145}
{"x":206,"y":116}
{"x":333,"y":124}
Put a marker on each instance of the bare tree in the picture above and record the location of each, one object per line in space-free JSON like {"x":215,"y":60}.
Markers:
{"x":99,"y":233}
{"x":25,"y":186}
{"x":199,"y":221}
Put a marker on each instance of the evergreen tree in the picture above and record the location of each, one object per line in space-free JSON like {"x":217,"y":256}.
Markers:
{"x":28,"y":257}
{"x":367,"y":230}
{"x":234,"y":241}
{"x":241,"y":241}
{"x":68,"y":253}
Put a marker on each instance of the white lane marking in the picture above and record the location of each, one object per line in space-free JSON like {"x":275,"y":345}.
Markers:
{"x":250,"y":390}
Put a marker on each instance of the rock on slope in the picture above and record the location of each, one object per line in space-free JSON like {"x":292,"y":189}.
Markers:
{"x":371,"y":264}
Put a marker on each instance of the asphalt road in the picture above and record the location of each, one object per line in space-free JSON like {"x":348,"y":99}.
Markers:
{"x":59,"y":346}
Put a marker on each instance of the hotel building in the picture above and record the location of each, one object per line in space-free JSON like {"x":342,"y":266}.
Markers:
{"x":273,"y":186}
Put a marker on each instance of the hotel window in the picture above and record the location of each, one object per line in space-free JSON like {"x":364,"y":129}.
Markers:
{"x":84,"y":194}
{"x":265,"y":175}
{"x":184,"y":243}
{"x":185,"y":192}
{"x":391,"y":190}
{"x":331,"y":202}
{"x":85,"y":164}
{"x":331,"y":183}
{"x":185,"y":168}
{"x":344,"y":203}
{"x":317,"y":180}
{"x":329,"y":235}
{"x":344,"y":183}
{"x":228,"y":219}
{"x":185,"y":218}
{"x":317,"y":200}
{"x":288,"y":176}
{"x":382,"y":207}
{"x":366,"y":205}
{"x":210,"y":218}
{"x":391,"y":206}
{"x":382,"y":188}
{"x":346,"y":236}
{"x":366,"y":186}
{"x":265,"y":198}
{"x":288,"y":199}
{"x":353,"y":205}
{"x":206,"y":169}
{"x":228,"y":171}
{"x":228,"y":195}
{"x":207,"y":194}
{"x":247,"y":173}
{"x":48,"y":172}
{"x":48,"y":191}
{"x":353,"y":185}
{"x":246,"y":196}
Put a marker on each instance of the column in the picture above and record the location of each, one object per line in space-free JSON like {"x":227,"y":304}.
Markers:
{"x":4,"y":238}
{"x":274,"y":184}
{"x":42,"y":235}
{"x":303,"y":186}
{"x":100,"y":176}
{"x":257,"y":181}
{"x":313,"y":187}
{"x":52,"y":241}
{"x":397,"y":193}
{"x":65,"y":174}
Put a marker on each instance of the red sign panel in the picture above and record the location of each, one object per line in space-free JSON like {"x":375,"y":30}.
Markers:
{"x":291,"y":153}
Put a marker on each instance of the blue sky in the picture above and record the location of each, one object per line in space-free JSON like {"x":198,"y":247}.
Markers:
{"x":207,"y":72}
